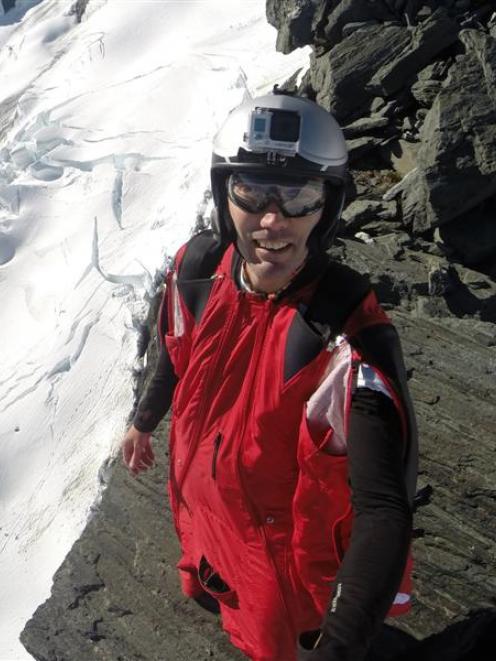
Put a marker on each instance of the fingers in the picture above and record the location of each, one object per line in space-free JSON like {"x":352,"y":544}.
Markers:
{"x":138,"y":460}
{"x":127,"y":451}
{"x":141,"y":462}
{"x":137,"y":452}
{"x":147,"y":456}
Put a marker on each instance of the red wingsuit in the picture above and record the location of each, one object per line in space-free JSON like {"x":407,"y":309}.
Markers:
{"x":263,"y":514}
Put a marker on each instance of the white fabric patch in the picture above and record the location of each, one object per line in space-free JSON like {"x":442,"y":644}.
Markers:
{"x":326,"y":407}
{"x":401,"y":598}
{"x":368,"y":378}
{"x":178,"y":313}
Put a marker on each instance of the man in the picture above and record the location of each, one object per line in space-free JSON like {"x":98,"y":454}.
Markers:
{"x":292,"y":445}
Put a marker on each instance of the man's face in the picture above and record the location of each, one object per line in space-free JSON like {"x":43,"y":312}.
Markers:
{"x":273,"y":245}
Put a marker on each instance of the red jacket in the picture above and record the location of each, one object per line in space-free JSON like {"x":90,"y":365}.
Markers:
{"x":263,"y":515}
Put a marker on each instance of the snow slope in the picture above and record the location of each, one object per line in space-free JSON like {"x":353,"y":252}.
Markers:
{"x":105,"y":133}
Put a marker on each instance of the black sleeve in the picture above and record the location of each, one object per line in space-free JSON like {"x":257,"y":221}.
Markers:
{"x":157,"y":398}
{"x":372,"y":568}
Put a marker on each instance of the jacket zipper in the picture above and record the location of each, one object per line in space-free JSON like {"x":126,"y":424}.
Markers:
{"x":217,"y":442}
{"x":249,"y":505}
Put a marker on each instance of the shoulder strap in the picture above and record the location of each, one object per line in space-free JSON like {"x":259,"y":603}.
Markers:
{"x":338,"y":293}
{"x":201,"y":257}
{"x":199,"y":262}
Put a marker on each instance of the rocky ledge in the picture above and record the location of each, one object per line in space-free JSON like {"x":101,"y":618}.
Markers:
{"x":413,"y":83}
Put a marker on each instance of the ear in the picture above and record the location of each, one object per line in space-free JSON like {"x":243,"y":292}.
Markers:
{"x":222,"y":224}
{"x":214,"y":221}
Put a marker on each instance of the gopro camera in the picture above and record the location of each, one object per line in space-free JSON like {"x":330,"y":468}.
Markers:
{"x":276,"y":131}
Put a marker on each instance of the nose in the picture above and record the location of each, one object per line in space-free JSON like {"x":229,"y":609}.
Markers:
{"x":273,"y":218}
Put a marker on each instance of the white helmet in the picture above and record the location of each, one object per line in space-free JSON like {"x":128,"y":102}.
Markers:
{"x":287,"y":136}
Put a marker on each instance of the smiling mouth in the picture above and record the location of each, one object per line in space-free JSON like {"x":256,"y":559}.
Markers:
{"x":273,"y":246}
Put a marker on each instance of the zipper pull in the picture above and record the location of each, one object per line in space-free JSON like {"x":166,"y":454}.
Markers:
{"x":217,"y":443}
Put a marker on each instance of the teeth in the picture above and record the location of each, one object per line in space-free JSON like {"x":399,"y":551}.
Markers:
{"x":273,"y":245}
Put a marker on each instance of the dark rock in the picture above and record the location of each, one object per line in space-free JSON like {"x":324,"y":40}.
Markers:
{"x":340,"y":75}
{"x":322,"y":11}
{"x":349,"y":12}
{"x":293,"y":21}
{"x":378,"y":229}
{"x":353,"y":27}
{"x":478,"y":16}
{"x":357,"y":214}
{"x":429,"y":83}
{"x":376,"y":60}
{"x":410,"y":180}
{"x":425,"y":91}
{"x":358,"y":147}
{"x":421,"y":114}
{"x":470,"y":293}
{"x":398,"y":105}
{"x":426,"y":40}
{"x":401,"y":155}
{"x":364,"y":125}
{"x":470,"y":639}
{"x":457,"y":155}
{"x":377,"y":104}
{"x":291,"y":84}
{"x":472,"y":237}
{"x":370,"y":180}
{"x":439,"y":280}
{"x":305,"y":87}
{"x":408,"y":123}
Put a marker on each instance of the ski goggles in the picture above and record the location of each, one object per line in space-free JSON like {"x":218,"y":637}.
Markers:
{"x":294,"y":197}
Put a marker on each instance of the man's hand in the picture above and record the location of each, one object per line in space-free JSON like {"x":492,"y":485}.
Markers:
{"x":137,"y":451}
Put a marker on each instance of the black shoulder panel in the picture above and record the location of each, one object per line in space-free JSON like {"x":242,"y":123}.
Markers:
{"x":303,"y":344}
{"x":338,"y":293}
{"x":200,"y":260}
{"x":201,"y":257}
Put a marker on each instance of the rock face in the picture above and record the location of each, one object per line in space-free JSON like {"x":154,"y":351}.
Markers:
{"x":413,"y":83}
{"x":376,"y":59}
{"x":293,"y":20}
{"x":457,"y":156}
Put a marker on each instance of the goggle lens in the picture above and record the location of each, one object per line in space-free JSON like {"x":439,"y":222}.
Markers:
{"x":294,"y":197}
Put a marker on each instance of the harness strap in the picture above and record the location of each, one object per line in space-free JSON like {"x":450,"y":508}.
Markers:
{"x":194,"y":276}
